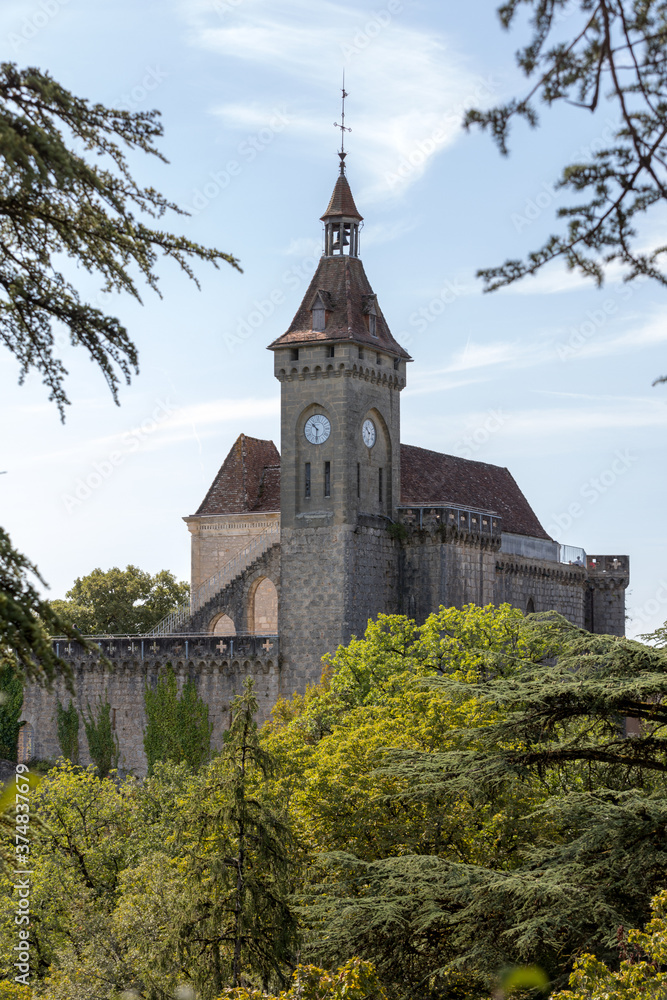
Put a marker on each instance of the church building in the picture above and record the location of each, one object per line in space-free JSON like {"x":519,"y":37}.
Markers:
{"x":293,"y":551}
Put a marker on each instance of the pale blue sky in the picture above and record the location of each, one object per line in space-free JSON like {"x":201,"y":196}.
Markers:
{"x":551,"y":378}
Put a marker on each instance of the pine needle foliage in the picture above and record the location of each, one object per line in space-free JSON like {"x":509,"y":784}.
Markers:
{"x":26,"y":622}
{"x":56,"y":202}
{"x":593,"y":850}
{"x":11,"y":703}
{"x":594,"y":54}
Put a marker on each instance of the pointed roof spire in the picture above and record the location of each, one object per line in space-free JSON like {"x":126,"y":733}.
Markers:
{"x":341,"y":202}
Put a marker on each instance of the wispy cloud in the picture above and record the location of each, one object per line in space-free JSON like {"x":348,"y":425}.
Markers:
{"x":392,"y":69}
{"x":173,"y":424}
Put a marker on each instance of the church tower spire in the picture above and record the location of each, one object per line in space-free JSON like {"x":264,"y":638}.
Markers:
{"x":342,"y":221}
{"x":341,"y":373}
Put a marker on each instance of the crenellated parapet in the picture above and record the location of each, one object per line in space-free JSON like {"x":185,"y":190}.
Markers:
{"x":120,"y":669}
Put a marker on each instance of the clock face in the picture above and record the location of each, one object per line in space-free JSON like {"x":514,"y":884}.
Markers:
{"x":317,"y":428}
{"x":368,"y":433}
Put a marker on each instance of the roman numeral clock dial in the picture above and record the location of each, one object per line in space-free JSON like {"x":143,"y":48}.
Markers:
{"x":368,"y":433}
{"x":317,"y":429}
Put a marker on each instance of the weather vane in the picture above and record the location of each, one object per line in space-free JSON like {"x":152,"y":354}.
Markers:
{"x":343,"y":128}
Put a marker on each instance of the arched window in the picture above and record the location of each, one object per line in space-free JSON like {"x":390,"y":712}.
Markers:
{"x":264,"y":616}
{"x":530,"y":606}
{"x":223,"y":625}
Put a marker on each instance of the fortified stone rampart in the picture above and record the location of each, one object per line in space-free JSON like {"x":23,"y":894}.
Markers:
{"x":217,"y":665}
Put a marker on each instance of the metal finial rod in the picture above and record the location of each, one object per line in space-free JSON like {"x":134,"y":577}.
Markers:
{"x":343,"y":128}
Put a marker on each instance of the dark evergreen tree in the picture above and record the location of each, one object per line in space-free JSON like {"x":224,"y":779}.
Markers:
{"x":11,"y":703}
{"x":242,"y":856}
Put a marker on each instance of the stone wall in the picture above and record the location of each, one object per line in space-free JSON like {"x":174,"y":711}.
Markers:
{"x":608,"y":578}
{"x":218,"y":667}
{"x":541,"y":585}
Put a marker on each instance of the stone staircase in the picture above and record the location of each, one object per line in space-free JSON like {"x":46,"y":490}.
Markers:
{"x":210,"y":590}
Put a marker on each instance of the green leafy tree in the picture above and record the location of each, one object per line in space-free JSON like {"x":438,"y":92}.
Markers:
{"x":611,"y":53}
{"x":102,"y":741}
{"x":356,"y":980}
{"x":67,"y":720}
{"x":67,"y":194}
{"x":588,"y":852}
{"x":120,"y":601}
{"x":177,"y":726}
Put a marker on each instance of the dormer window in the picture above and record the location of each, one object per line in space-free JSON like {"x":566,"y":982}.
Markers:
{"x":321,"y":307}
{"x":319,"y":317}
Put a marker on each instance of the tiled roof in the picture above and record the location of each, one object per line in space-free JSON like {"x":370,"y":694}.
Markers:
{"x":347,"y":288}
{"x":342,"y":202}
{"x":431,"y":477}
{"x":248,"y":480}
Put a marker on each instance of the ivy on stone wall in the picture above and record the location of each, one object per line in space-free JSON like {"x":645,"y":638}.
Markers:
{"x":177,"y":727}
{"x":102,"y":741}
{"x":11,"y":703}
{"x":68,"y":731}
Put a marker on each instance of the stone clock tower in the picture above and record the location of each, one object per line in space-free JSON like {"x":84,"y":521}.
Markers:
{"x":341,"y":374}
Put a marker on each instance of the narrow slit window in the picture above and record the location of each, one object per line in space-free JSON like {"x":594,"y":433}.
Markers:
{"x":361,"y":354}
{"x":372,"y":325}
{"x":380,"y":485}
{"x":307,"y":482}
{"x":378,"y":359}
{"x":327,"y":479}
{"x":358,"y":479}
